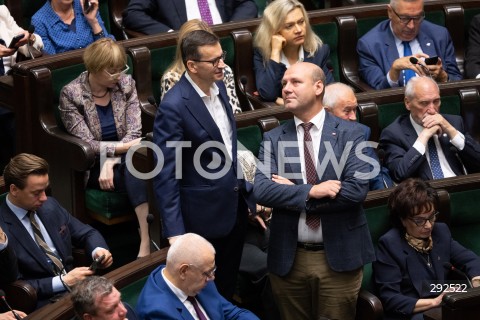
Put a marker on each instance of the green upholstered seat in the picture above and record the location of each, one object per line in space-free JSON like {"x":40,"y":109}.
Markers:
{"x":131,"y":292}
{"x":106,"y":207}
{"x":250,"y":137}
{"x":328,"y":32}
{"x":465,"y":218}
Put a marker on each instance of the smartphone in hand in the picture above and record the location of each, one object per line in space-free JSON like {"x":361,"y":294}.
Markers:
{"x":87,"y":6}
{"x":96,"y":262}
{"x":431,"y":60}
{"x":15,"y":40}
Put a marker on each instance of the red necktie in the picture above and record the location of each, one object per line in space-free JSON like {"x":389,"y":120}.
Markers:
{"x":313,"y":220}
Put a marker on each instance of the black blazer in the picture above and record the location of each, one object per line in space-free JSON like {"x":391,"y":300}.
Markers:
{"x":155,"y":16}
{"x":8,"y":265}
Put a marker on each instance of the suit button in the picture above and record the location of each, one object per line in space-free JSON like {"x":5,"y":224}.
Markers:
{"x":235,"y":189}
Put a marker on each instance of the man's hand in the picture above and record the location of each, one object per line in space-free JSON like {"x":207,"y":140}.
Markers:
{"x":9,"y":315}
{"x":427,"y":133}
{"x":404,"y":63}
{"x":325,"y":189}
{"x":107,"y":261}
{"x":3,"y":236}
{"x":76,"y":275}
{"x":437,"y":72}
{"x":432,"y":120}
{"x":281,"y":180}
{"x":5,"y":51}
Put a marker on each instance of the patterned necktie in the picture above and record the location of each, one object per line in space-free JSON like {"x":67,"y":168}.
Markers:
{"x":434,"y":160}
{"x":313,"y":220}
{"x":58,"y":266}
{"x":198,"y":311}
{"x":2,"y":68}
{"x":205,"y":11}
{"x":407,"y":73}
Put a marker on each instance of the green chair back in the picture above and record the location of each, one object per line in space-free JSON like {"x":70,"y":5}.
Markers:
{"x":131,"y":292}
{"x":3,"y":196}
{"x":465,"y":220}
{"x":250,"y":137}
{"x":328,"y":32}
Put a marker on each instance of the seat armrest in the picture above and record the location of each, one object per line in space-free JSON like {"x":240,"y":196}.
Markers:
{"x":21,"y":295}
{"x":368,"y":306}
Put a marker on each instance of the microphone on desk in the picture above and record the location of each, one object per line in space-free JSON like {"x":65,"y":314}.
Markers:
{"x":455,"y":152}
{"x":150,"y":219}
{"x":152,"y":101}
{"x":243,"y":85}
{"x":414,"y":60}
{"x":450,"y":267}
{"x":2,"y":297}
{"x":31,"y":30}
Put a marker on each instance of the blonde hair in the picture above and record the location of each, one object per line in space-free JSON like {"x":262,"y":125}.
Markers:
{"x":272,"y":22}
{"x":104,"y":54}
{"x":177,"y":65}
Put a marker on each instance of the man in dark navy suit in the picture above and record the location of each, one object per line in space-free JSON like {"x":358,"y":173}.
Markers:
{"x":425,"y":143}
{"x":41,"y":232}
{"x":155,"y":16}
{"x":200,"y":189}
{"x":319,"y":238}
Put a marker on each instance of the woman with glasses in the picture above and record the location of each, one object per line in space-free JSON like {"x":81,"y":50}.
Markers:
{"x":283,"y":38}
{"x":66,"y":25}
{"x":101,"y":107}
{"x":411,"y":268}
{"x":177,"y":68}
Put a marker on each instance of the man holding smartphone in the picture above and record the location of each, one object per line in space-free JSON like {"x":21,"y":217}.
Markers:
{"x":405,"y":46}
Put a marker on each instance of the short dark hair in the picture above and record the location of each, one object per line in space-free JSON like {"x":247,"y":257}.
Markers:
{"x":85,"y":293}
{"x":193,"y":41}
{"x":411,"y":197}
{"x":21,"y":166}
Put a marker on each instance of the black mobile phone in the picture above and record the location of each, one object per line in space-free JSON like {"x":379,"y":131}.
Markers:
{"x":87,"y":6}
{"x":431,"y":60}
{"x":96,"y":262}
{"x":15,"y":40}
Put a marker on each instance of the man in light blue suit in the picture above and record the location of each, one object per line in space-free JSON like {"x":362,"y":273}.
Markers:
{"x":199,"y":189}
{"x":385,"y":51}
{"x":183,"y":288}
{"x":319,"y":238}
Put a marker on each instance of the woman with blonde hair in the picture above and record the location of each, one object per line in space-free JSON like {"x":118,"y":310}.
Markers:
{"x":101,"y":107}
{"x":177,"y":68}
{"x":285,"y":37}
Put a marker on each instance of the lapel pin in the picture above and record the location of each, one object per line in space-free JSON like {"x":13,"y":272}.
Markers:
{"x":334,"y":133}
{"x":428,"y":44}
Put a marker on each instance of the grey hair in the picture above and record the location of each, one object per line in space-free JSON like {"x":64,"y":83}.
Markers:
{"x":87,"y":291}
{"x":394,"y":3}
{"x":412,"y":83}
{"x":333,"y":92}
{"x":187,"y":249}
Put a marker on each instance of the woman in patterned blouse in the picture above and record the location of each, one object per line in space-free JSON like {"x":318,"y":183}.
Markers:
{"x":176,"y":69}
{"x":101,"y":107}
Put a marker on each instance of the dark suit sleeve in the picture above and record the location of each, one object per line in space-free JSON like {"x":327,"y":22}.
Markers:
{"x":369,"y":69}
{"x":140,"y":16}
{"x":8,"y":265}
{"x":354,"y":188}
{"x":388,"y":275}
{"x":472,"y":55}
{"x":243,"y":9}
{"x":268,"y":76}
{"x":401,"y":159}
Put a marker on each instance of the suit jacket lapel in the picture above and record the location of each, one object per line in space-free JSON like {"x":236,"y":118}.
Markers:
{"x":426,"y":43}
{"x":197,"y":108}
{"x":24,"y":239}
{"x":391,"y":48}
{"x":51,"y":227}
{"x":413,"y":264}
{"x":329,"y":137}
{"x":291,"y":150}
{"x":181,"y":11}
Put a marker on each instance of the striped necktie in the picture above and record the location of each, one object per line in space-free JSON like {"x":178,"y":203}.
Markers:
{"x":205,"y":13}
{"x":57,"y":263}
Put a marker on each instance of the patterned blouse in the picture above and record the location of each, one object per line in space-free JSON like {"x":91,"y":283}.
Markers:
{"x":169,"y":79}
{"x":80,"y":117}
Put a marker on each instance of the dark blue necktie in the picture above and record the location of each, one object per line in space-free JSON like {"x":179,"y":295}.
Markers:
{"x":434,"y":160}
{"x":407,"y":73}
{"x":2,"y":68}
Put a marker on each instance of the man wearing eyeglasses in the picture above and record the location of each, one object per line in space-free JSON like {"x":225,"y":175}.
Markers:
{"x":385,"y":52}
{"x":200,"y":188}
{"x":184,"y":288}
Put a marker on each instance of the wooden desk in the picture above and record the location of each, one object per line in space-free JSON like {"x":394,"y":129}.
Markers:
{"x":433,"y":314}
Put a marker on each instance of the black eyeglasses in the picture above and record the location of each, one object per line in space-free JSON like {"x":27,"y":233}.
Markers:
{"x":419,"y":222}
{"x":406,"y":19}
{"x":215,"y":61}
